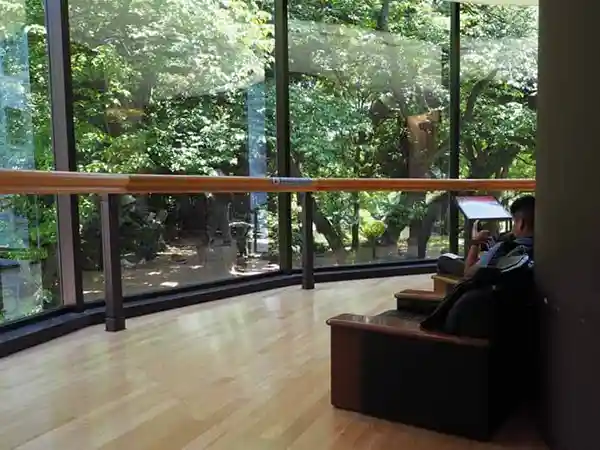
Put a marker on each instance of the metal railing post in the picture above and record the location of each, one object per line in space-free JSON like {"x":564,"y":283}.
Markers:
{"x":308,"y":244}
{"x":113,"y":287}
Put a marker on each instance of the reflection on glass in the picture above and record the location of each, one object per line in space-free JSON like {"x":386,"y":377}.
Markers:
{"x":368,"y":96}
{"x":28,"y":264}
{"x":29,"y":281}
{"x":173,"y":87}
{"x":499,"y":91}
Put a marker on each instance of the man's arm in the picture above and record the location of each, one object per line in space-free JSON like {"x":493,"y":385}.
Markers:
{"x":471,"y":261}
{"x":481,"y":259}
{"x":473,"y":255}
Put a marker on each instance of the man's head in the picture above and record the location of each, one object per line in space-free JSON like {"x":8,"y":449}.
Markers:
{"x":523,"y":213}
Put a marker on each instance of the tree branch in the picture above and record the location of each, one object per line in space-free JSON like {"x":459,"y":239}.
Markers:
{"x":477,"y":90}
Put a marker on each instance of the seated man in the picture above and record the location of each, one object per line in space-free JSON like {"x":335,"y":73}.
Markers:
{"x":522,"y":211}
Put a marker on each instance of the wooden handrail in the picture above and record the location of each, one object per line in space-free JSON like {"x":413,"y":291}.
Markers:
{"x":40,"y":182}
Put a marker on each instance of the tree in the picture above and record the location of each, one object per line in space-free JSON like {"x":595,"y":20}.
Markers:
{"x":499,"y":76}
{"x":164,"y":86}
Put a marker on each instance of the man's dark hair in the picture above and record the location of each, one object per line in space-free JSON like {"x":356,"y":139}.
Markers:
{"x":524,"y":208}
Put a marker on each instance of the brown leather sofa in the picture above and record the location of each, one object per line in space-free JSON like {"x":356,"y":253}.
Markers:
{"x":386,"y":366}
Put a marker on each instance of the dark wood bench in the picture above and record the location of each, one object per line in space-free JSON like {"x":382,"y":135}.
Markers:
{"x":442,"y":285}
{"x":386,"y":366}
{"x":420,"y":298}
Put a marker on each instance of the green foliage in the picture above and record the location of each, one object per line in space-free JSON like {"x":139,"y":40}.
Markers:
{"x":160,"y":86}
{"x":373,"y":230}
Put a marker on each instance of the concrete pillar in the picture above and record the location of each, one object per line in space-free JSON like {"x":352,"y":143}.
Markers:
{"x":568,"y":220}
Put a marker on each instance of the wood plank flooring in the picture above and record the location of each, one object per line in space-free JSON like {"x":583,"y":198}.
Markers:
{"x":249,"y":373}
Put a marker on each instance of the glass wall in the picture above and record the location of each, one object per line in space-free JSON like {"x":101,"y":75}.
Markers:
{"x":174,"y":88}
{"x":498,"y":88}
{"x":29,"y":281}
{"x":498,"y":92}
{"x":369,"y":98}
{"x":420,"y":226}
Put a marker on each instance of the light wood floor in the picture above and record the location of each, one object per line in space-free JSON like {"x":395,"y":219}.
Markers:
{"x":250,"y":373}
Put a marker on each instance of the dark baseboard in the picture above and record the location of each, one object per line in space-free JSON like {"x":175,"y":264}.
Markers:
{"x":32,"y":334}
{"x":20,"y":335}
{"x":375,"y":271}
{"x":134,"y":308}
{"x":33,"y":319}
{"x":169,"y":301}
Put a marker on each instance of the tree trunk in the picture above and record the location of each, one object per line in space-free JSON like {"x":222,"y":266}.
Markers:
{"x":384,"y":14}
{"x":50,"y":278}
{"x":322,"y":224}
{"x":414,"y":231}
{"x":438,"y":207}
{"x":422,"y":151}
{"x":325,"y":227}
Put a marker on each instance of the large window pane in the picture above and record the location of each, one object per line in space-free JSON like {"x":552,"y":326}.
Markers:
{"x":172,"y":87}
{"x":28,"y":238}
{"x":368,"y":98}
{"x":498,"y":92}
{"x":173,"y":241}
{"x":374,"y":222}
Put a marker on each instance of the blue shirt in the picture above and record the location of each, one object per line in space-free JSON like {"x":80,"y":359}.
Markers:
{"x":491,"y":256}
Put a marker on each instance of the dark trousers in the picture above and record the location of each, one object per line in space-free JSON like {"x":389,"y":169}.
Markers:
{"x":447,"y":265}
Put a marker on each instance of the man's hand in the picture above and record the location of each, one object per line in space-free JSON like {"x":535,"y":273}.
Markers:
{"x":481,"y":237}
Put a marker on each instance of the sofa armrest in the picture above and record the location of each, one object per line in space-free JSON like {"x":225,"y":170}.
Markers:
{"x":418,"y":300}
{"x":399,"y":327}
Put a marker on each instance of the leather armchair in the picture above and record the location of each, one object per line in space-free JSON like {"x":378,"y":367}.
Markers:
{"x":387,"y":367}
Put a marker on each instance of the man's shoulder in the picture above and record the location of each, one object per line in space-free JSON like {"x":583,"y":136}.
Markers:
{"x":519,"y":246}
{"x":525,"y":241}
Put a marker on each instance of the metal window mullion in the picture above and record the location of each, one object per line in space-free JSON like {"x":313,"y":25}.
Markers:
{"x":454,"y":85}
{"x":282,"y":121}
{"x":63,"y":145}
